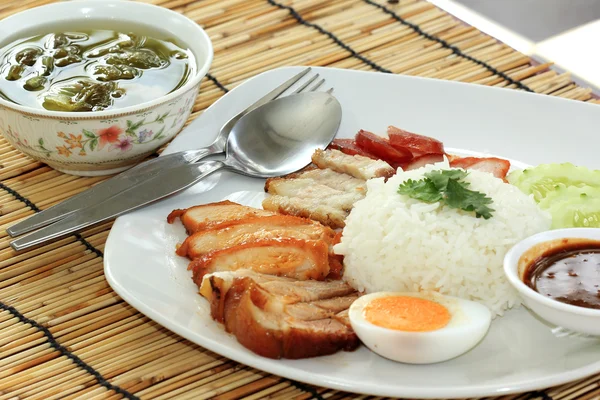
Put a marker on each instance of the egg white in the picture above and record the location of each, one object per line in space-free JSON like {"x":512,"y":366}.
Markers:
{"x":469,"y":322}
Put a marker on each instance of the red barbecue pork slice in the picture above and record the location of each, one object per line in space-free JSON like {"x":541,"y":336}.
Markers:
{"x":417,"y":144}
{"x":348,"y":146}
{"x":423,"y":160}
{"x":495,"y":166}
{"x":381,"y":148}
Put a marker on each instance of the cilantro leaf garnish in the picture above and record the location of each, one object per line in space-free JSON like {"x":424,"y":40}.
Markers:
{"x":424,"y":190}
{"x":440,"y":178}
{"x":457,"y":195}
{"x":449,"y":187}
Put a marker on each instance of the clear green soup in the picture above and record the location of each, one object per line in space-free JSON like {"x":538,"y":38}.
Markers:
{"x":91,"y":70}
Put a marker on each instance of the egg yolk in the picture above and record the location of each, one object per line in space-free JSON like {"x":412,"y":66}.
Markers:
{"x":405,"y":313}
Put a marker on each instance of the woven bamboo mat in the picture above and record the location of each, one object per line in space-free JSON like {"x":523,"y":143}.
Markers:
{"x":65,"y":334}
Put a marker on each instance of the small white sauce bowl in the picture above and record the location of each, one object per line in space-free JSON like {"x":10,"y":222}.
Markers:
{"x":577,"y":319}
{"x":109,"y":141}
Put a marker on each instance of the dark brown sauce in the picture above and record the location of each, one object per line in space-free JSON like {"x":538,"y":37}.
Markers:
{"x":569,"y":273}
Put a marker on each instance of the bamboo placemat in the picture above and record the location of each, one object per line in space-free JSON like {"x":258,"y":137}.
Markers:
{"x":65,"y":334}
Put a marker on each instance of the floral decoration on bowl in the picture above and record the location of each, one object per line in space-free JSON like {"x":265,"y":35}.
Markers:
{"x":77,"y":146}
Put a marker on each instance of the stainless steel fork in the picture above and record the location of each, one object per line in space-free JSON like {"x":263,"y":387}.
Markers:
{"x":148,"y":169}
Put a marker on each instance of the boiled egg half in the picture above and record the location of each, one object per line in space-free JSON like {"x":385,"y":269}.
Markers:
{"x":418,"y":328}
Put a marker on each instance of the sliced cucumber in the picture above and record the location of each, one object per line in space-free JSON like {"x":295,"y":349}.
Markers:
{"x":546,"y":178}
{"x":573,"y":206}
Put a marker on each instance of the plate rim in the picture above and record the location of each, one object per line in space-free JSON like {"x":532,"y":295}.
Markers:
{"x":284,"y":371}
{"x":308,"y":377}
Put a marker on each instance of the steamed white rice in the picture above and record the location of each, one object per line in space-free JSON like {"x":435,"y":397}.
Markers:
{"x":394,"y":243}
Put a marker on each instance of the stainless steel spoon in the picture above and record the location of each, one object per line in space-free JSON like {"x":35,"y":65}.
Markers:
{"x":275,"y":139}
{"x":107,"y":189}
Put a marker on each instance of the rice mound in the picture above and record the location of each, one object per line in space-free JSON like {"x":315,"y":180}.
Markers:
{"x":392,"y":242}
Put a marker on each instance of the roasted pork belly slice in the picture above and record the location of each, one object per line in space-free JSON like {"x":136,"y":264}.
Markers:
{"x":307,"y":208}
{"x":320,"y":309}
{"x":290,"y":290}
{"x":327,"y":177}
{"x":358,"y":166}
{"x":326,"y":194}
{"x":336,"y":180}
{"x":276,"y":318}
{"x":336,"y":304}
{"x":293,"y":258}
{"x":253,"y":229}
{"x":332,"y":296}
{"x":319,"y":194}
{"x":314,"y":192}
{"x":343,"y":317}
{"x":201,"y":217}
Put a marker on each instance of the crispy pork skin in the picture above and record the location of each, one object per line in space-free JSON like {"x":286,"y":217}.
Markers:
{"x":326,"y":177}
{"x":294,"y":258}
{"x":252,"y":229}
{"x":314,"y":192}
{"x":357,"y":166}
{"x":282,"y":318}
{"x":305,"y":208}
{"x":322,"y":195}
{"x":201,"y":217}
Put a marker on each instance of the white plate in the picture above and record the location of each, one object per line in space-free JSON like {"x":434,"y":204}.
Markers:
{"x":519,"y":353}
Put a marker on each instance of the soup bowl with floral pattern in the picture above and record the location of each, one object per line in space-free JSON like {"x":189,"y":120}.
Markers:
{"x":102,"y":142}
